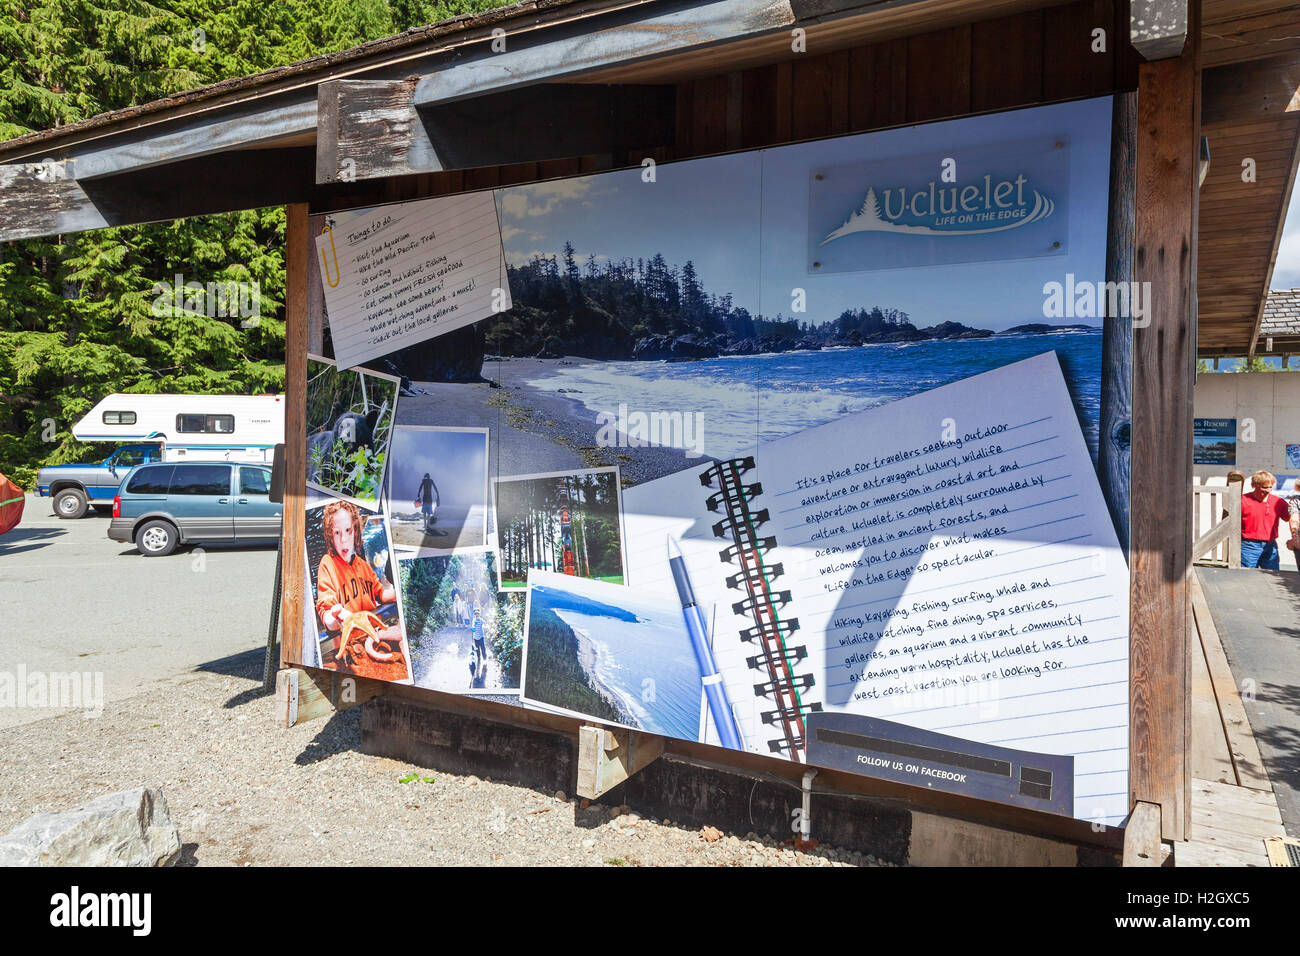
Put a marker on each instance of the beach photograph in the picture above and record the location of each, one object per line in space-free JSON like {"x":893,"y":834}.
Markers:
{"x":569,"y":522}
{"x":350,"y":418}
{"x":355,"y":603}
{"x":613,"y":653}
{"x":706,"y":332}
{"x":466,"y":637}
{"x":437,"y":493}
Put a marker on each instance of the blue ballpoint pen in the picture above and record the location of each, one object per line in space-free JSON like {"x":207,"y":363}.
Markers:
{"x":719,"y":706}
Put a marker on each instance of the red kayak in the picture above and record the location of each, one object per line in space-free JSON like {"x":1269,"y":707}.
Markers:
{"x":11,"y":504}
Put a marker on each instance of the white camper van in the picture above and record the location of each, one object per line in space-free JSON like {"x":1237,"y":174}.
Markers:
{"x":190,"y":427}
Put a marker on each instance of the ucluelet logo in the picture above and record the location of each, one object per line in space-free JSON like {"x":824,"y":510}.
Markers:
{"x":940,"y":210}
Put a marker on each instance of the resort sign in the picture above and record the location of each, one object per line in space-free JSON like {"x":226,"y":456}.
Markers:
{"x":1003,"y":202}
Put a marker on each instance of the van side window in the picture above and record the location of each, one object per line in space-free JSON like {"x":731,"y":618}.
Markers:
{"x":151,"y":481}
{"x":201,"y":480}
{"x":254,"y":481}
{"x":205,"y":424}
{"x":118,"y":418}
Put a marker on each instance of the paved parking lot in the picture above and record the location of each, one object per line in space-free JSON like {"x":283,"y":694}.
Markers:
{"x":77,"y":602}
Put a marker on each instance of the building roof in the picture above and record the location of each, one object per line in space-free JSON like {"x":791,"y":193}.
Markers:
{"x":1281,"y":315}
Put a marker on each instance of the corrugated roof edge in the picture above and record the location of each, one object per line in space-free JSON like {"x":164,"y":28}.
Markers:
{"x":267,"y":82}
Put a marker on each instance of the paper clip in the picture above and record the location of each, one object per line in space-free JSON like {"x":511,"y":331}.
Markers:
{"x":325,"y":263}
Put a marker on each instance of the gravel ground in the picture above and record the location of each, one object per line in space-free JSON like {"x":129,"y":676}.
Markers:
{"x":246,"y":793}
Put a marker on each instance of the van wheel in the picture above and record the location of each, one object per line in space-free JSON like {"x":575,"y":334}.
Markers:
{"x":70,"y":503}
{"x":157,"y":539}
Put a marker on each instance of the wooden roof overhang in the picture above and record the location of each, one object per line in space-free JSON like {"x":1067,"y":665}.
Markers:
{"x":1250,"y":110}
{"x":575,"y":77}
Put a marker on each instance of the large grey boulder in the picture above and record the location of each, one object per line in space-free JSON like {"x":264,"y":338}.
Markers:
{"x":130,"y":828}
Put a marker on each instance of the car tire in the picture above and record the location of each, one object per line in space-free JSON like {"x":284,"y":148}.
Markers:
{"x":157,"y":539}
{"x":71,"y":503}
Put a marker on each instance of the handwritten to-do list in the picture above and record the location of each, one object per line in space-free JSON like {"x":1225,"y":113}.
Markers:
{"x":956,"y":552}
{"x":397,"y":275}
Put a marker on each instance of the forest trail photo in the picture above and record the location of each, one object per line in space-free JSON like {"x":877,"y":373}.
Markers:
{"x":571,"y":524}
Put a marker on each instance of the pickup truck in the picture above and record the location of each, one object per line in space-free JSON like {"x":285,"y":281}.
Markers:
{"x":77,"y":488}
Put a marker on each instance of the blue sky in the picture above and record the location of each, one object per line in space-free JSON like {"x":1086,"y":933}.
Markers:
{"x":1286,"y":274}
{"x":720,"y":211}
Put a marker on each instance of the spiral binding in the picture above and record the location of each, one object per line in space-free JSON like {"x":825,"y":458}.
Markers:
{"x":761,"y":603}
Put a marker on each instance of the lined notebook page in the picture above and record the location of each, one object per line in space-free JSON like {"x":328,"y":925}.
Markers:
{"x":954,"y":567}
{"x":675,"y":505}
{"x":411,"y":271}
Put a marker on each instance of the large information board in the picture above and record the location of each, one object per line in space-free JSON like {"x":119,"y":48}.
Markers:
{"x":775,"y":450}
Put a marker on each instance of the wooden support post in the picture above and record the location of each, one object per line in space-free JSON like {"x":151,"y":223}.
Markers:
{"x":295,"y":434}
{"x":1142,"y":836}
{"x":306,"y":693}
{"x":608,"y":757}
{"x":1164,"y":363}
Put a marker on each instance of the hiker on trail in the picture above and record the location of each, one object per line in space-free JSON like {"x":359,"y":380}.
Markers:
{"x":1261,"y":511}
{"x":427,"y":499}
{"x":478,"y":656}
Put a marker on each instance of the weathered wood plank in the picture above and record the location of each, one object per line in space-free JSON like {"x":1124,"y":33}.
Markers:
{"x":1142,"y":836}
{"x":1115,"y":447}
{"x":368,"y":128}
{"x":1248,"y":91}
{"x":999,"y":81}
{"x":607,"y":757}
{"x":1168,"y":135}
{"x":45,"y":199}
{"x":1210,"y":759}
{"x":939,"y":75}
{"x":294,"y":602}
{"x":619,"y":37}
{"x":878,"y":85}
{"x":549,"y":121}
{"x":1072,"y":66}
{"x":1248,"y":763}
{"x":307,"y":693}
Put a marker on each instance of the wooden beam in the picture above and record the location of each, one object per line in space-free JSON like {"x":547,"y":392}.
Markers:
{"x":1158,"y":28}
{"x":608,"y":757}
{"x":1142,"y":836}
{"x":308,"y":693}
{"x":294,"y":602}
{"x":1168,"y":139}
{"x":1246,"y":92}
{"x":550,"y":121}
{"x":45,"y":199}
{"x":619,"y":38}
{"x":372,"y":130}
{"x":367,"y":129}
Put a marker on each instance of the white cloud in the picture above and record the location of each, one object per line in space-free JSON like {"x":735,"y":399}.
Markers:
{"x":540,"y":199}
{"x":1286,"y":274}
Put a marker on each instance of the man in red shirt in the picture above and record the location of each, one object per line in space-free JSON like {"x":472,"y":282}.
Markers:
{"x":1261,"y":510}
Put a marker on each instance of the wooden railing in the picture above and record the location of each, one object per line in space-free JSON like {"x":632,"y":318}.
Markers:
{"x":1216,"y":525}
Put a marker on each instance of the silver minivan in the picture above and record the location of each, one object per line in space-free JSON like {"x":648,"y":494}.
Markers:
{"x":162,"y":505}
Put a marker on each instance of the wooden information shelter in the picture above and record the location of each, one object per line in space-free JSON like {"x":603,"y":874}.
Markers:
{"x":553,"y":88}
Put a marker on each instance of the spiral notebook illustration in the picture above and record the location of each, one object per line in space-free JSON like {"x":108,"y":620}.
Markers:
{"x":727,"y":546}
{"x":946,"y":561}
